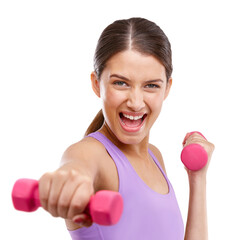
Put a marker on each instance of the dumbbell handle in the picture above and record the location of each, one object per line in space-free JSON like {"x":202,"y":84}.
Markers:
{"x":194,"y":156}
{"x":105,"y":207}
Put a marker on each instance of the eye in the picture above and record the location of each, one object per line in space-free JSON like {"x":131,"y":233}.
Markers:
{"x":151,"y":85}
{"x":120,"y":83}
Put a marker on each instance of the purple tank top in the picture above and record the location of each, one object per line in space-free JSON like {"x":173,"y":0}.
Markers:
{"x":147,"y":215}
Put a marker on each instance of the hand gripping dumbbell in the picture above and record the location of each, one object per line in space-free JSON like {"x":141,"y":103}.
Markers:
{"x":194,"y":156}
{"x":105,"y":207}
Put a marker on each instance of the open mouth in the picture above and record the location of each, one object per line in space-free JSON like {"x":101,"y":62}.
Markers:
{"x":132,"y":123}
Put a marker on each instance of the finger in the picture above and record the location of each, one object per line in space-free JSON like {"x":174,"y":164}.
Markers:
{"x":44,"y":189}
{"x":65,"y":198}
{"x":80,"y":199}
{"x":194,"y":138}
{"x":56,"y":188}
{"x":185,"y":138}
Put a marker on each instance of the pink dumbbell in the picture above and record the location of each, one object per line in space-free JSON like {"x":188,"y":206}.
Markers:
{"x":194,"y":156}
{"x":105,"y":207}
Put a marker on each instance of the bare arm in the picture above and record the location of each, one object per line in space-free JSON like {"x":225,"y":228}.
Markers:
{"x":197,"y":227}
{"x":66,"y":192}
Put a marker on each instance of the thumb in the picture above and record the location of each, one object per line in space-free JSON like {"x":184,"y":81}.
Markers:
{"x":83,"y":220}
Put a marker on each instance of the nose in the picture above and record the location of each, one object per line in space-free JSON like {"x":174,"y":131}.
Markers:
{"x":135,"y":100}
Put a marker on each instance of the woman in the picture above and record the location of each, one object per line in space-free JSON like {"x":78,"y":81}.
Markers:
{"x":132,"y":76}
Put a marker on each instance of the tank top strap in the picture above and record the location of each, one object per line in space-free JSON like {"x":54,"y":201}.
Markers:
{"x":115,"y":153}
{"x":159,"y":166}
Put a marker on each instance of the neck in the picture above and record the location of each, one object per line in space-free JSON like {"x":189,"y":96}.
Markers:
{"x":139,"y":149}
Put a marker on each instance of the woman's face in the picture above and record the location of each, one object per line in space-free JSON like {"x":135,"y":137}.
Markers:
{"x":132,"y":88}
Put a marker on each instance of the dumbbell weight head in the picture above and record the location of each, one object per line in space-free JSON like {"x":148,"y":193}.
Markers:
{"x":194,"y":156}
{"x":106,"y":207}
{"x":25,"y":195}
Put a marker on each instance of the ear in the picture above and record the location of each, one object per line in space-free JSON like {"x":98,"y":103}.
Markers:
{"x":168,"y":87}
{"x":95,"y":84}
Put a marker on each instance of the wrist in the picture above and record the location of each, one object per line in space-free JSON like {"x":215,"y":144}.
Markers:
{"x":197,"y":179}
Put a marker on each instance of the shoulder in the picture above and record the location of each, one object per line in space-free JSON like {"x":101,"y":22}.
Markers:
{"x":87,"y":155}
{"x":87,"y":148}
{"x":91,"y":155}
{"x":158,"y":155}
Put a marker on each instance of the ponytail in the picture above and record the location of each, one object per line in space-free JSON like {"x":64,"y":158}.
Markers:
{"x":95,"y":124}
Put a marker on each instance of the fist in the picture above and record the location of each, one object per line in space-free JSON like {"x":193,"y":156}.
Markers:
{"x":65,"y":193}
{"x":197,"y":152}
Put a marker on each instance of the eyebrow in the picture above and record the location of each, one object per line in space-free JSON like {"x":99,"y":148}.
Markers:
{"x":124,"y":78}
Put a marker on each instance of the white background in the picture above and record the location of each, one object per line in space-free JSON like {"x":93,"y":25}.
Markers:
{"x":46,"y":53}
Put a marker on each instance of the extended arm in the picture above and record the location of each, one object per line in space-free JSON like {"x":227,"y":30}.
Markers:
{"x":66,"y":192}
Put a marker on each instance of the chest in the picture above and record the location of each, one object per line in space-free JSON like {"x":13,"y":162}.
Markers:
{"x":149,"y":174}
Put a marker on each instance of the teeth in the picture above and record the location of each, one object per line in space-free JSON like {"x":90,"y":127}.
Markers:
{"x":132,"y":117}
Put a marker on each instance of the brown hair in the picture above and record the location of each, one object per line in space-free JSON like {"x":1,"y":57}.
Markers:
{"x":137,"y":34}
